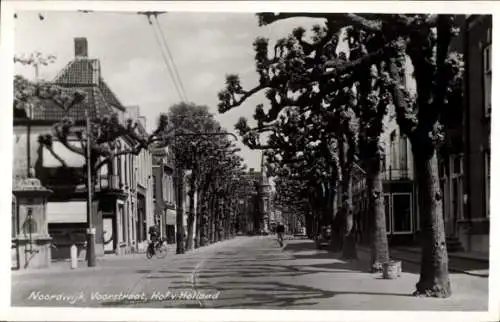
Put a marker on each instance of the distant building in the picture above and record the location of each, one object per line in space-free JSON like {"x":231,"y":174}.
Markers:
{"x":164,"y":193}
{"x":248,"y":221}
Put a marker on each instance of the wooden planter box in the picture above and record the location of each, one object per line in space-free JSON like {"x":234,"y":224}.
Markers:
{"x":391,"y":269}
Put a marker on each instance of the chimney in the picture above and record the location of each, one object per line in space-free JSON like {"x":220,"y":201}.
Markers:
{"x":81,"y":47}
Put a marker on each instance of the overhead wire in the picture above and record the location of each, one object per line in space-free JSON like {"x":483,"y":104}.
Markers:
{"x":165,"y":59}
{"x":163,"y":37}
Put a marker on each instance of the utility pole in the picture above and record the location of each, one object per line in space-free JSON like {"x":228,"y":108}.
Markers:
{"x":91,"y":260}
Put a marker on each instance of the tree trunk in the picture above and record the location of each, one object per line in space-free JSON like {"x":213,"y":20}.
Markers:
{"x":227,"y":226}
{"x":205,"y":222}
{"x":191,"y":213}
{"x":219,"y":224}
{"x":349,"y":244}
{"x":336,"y":238}
{"x":434,"y":279}
{"x":180,"y":210}
{"x":190,"y":223}
{"x":211,"y":219}
{"x":309,"y":224}
{"x":379,"y":244}
{"x":346,"y":152}
{"x":198,"y":223}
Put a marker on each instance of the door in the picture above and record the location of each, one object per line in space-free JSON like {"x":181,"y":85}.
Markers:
{"x":108,"y":233}
{"x":402,"y":215}
{"x":457,"y":203}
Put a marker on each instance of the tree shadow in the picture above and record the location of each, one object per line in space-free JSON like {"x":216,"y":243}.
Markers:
{"x":282,"y":295}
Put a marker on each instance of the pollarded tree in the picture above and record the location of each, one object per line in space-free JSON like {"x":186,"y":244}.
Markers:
{"x":436,"y":73}
{"x":425,"y":39}
{"x":99,"y":143}
{"x":191,"y":149}
{"x":32,"y":95}
{"x":301,"y":149}
{"x":215,"y":169}
{"x":324,"y":106}
{"x":105,"y":132}
{"x":372,"y":101}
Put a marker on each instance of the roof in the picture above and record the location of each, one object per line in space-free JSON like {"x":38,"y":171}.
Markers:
{"x":94,"y":102}
{"x":109,"y":95}
{"x":84,"y":75}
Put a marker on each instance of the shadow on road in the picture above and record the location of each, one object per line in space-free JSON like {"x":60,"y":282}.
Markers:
{"x":281,"y":295}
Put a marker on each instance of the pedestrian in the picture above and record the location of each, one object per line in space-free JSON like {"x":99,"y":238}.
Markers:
{"x":154,"y":233}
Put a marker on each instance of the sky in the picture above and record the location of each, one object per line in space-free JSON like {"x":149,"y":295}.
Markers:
{"x":205,"y":46}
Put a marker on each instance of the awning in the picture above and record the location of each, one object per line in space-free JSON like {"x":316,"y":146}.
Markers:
{"x":73,"y":160}
{"x":67,"y":212}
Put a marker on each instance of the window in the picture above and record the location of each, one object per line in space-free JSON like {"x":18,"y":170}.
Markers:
{"x":125,"y":170}
{"x":124,"y":223}
{"x":403,"y":156}
{"x":487,"y":183}
{"x":387,"y":205}
{"x":394,"y":151}
{"x":487,"y":77}
{"x":457,"y":164}
{"x":14,"y":217}
{"x":164,"y":189}
{"x":118,"y":168}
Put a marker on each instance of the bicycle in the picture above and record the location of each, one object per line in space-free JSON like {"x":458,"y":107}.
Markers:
{"x":159,"y":249}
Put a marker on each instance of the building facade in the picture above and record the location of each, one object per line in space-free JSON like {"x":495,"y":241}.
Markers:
{"x":472,"y":222}
{"x":248,"y":221}
{"x":464,"y":158}
{"x":164,"y":193}
{"x":464,"y":165}
{"x":118,"y":185}
{"x":400,"y":194}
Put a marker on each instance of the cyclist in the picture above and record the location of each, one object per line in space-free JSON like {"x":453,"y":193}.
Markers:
{"x":154,"y":233}
{"x":280,"y":230}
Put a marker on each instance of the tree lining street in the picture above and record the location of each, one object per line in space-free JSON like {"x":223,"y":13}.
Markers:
{"x":364,"y":153}
{"x":246,"y":272}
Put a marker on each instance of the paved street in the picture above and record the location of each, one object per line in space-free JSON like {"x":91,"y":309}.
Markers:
{"x":246,"y":272}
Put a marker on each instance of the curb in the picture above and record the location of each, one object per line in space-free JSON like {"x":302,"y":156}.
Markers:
{"x":62,"y":268}
{"x":413,"y":261}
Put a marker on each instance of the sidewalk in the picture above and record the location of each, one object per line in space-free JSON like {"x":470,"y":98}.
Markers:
{"x":471,"y":264}
{"x":348,"y":285}
{"x":111,"y":261}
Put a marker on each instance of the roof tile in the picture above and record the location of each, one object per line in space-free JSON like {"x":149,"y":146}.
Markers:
{"x":84,"y":75}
